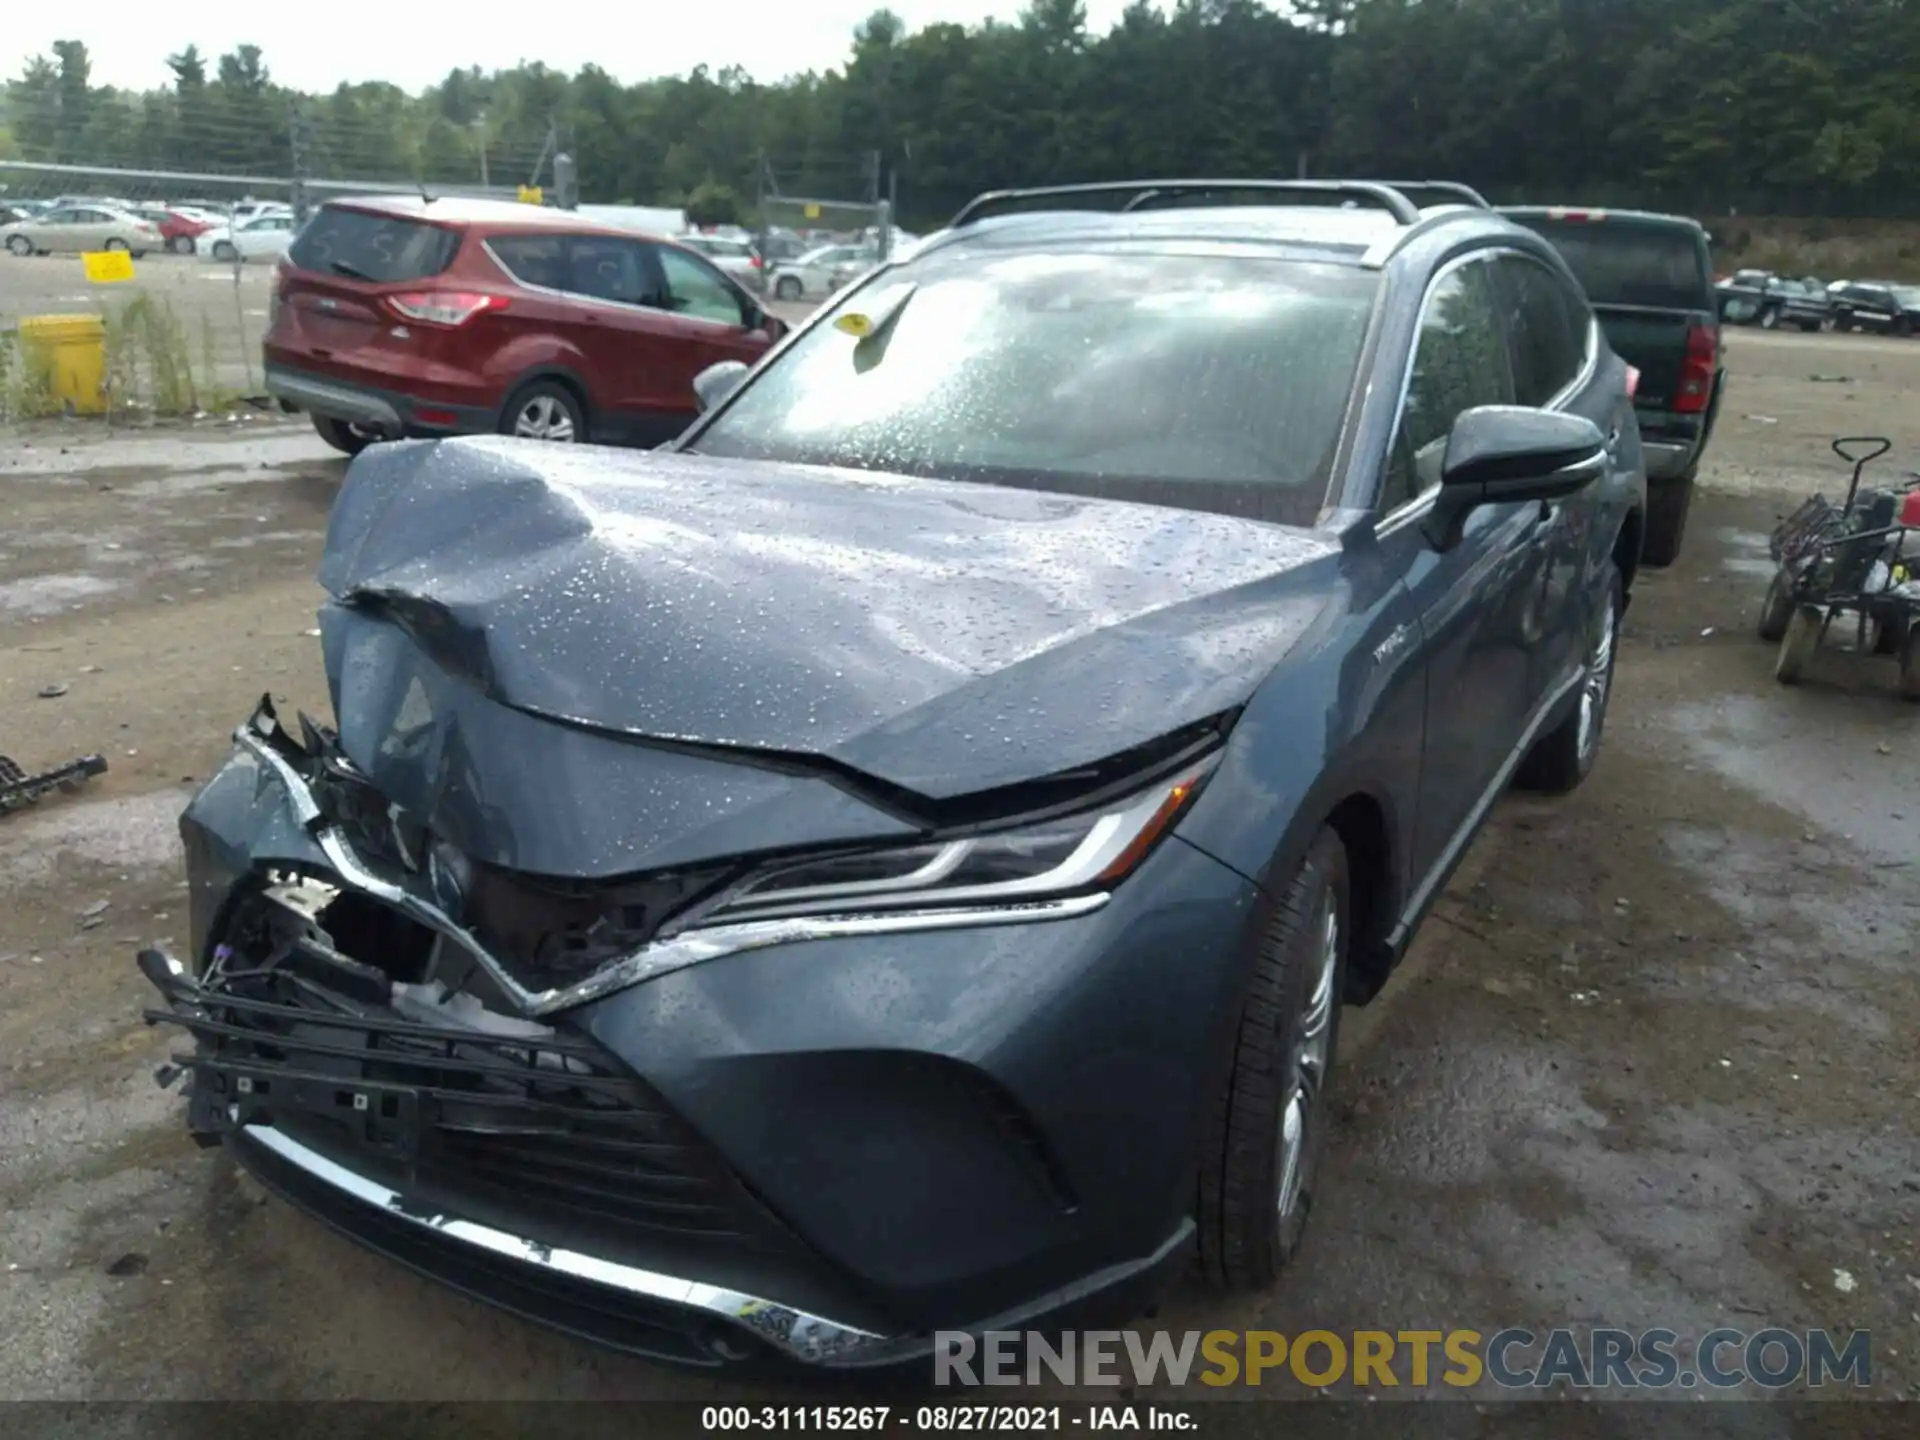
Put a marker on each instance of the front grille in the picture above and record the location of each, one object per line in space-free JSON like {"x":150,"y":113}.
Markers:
{"x":534,"y":1128}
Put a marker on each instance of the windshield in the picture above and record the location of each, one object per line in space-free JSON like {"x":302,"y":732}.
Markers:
{"x":1207,"y":382}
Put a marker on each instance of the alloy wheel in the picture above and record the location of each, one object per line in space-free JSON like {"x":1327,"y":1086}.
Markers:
{"x":544,"y":418}
{"x":1594,"y":686}
{"x":1312,"y":1048}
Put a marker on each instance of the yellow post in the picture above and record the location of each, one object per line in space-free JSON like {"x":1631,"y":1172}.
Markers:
{"x":73,"y":350}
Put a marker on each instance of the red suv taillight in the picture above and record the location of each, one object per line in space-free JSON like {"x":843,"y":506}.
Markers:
{"x":444,"y":307}
{"x":756,"y":261}
{"x":1695,"y":389}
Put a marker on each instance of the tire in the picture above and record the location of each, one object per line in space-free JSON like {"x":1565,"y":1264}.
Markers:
{"x":1253,"y":1207}
{"x":544,"y":410}
{"x":788,"y":288}
{"x":1777,"y":608}
{"x":180,"y":245}
{"x":1910,"y":664}
{"x":20,"y":245}
{"x":1770,"y":318}
{"x":1564,"y":756}
{"x":347,"y":439}
{"x":1798,"y":643}
{"x":1667,"y":504}
{"x":114,"y":243}
{"x":1888,"y":636}
{"x":224,"y":253}
{"x":1903,"y":327}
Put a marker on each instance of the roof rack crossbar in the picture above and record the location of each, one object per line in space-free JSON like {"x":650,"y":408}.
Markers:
{"x":1140,"y":193}
{"x":1445,"y":187}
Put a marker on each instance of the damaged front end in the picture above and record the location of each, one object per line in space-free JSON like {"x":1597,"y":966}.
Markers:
{"x":377,"y":1062}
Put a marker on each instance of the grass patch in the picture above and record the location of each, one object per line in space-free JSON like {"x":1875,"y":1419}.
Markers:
{"x":153,"y":366}
{"x":1828,"y":249}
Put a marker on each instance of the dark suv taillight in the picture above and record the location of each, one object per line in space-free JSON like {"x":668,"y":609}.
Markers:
{"x":1695,"y":389}
{"x":444,"y":307}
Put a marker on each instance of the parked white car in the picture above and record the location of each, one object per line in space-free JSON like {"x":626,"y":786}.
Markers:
{"x":71,"y":229}
{"x":819,"y":272}
{"x":265,"y":237}
{"x":736,"y":257}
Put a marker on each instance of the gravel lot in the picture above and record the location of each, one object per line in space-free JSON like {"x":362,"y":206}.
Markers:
{"x":1652,"y":1062}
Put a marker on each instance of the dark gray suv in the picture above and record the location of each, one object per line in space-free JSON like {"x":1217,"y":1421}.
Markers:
{"x":894,"y":860}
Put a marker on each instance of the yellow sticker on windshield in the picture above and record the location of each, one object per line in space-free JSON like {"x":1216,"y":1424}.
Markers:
{"x":855,"y":324}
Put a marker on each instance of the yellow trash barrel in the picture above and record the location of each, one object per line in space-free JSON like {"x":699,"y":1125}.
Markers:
{"x":71,"y":351}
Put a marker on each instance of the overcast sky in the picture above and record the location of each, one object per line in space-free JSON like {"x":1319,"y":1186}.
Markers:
{"x":314,"y":47}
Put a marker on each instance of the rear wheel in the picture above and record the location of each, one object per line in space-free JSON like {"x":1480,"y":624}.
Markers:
{"x":545,"y":410}
{"x":1777,"y":608}
{"x":1667,"y":504}
{"x":1798,"y":643}
{"x":1903,"y":326}
{"x":19,"y":245}
{"x":1910,"y":663}
{"x":1564,"y":756}
{"x":224,"y":252}
{"x":1268,"y":1128}
{"x":181,"y":245}
{"x":343,"y":435}
{"x":787,"y":287}
{"x":115,"y":244}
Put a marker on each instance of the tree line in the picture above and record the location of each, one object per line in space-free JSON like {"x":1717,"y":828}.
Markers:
{"x":1807,"y":107}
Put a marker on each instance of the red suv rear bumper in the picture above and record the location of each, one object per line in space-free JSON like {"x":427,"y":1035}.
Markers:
{"x":388,"y":411}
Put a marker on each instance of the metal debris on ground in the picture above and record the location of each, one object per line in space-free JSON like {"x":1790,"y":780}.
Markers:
{"x":18,"y":788}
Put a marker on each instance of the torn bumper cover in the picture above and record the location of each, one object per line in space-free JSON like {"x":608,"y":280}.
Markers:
{"x":804,"y":1137}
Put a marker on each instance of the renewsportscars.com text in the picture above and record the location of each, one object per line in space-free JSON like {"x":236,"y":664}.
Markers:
{"x":1512,"y":1359}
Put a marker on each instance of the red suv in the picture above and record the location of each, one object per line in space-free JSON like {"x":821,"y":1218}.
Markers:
{"x":406,"y":316}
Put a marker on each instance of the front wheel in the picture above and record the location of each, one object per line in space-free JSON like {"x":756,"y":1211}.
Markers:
{"x":1769,"y":318}
{"x":20,"y":245}
{"x":1777,"y":609}
{"x":1798,"y":643}
{"x":224,"y":253}
{"x":545,"y":410}
{"x":1268,"y":1127}
{"x":1903,"y":327}
{"x":787,"y":288}
{"x":1564,"y":756}
{"x":114,"y":244}
{"x":1667,"y":504}
{"x":181,"y":245}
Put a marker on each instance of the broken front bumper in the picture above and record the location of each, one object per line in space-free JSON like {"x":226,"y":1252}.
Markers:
{"x":818,"y":1151}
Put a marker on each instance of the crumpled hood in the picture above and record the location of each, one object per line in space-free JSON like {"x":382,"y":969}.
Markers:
{"x":945,"y":638}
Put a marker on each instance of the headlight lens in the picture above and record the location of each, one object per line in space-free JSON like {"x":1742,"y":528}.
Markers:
{"x":1073,"y":854}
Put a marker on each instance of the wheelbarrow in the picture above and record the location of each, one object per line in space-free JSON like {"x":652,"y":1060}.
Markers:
{"x":1854,"y":560}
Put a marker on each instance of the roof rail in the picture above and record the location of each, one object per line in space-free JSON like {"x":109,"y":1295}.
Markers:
{"x":1463,"y":193}
{"x":1140,"y":193}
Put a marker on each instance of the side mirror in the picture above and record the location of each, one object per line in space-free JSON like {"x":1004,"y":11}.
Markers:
{"x":1508,"y":454}
{"x":716,"y":382}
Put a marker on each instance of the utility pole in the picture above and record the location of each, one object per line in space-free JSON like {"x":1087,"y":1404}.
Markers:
{"x":297,"y":158}
{"x":480,"y":126}
{"x":760,"y":210}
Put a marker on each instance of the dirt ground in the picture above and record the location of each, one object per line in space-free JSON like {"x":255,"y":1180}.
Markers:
{"x":1651,"y":1063}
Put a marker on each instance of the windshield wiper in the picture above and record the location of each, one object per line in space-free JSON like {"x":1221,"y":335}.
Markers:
{"x":340,"y":267}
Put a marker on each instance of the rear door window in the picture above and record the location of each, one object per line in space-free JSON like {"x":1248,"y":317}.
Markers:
{"x":364,"y":246}
{"x":1620,"y":262}
{"x":537,"y":260}
{"x":1546,"y":329}
{"x":607,"y":267}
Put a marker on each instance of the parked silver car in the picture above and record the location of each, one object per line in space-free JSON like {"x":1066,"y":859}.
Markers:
{"x":74,"y":228}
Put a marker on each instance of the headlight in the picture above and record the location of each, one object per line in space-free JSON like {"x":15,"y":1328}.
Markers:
{"x":1079,"y":853}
